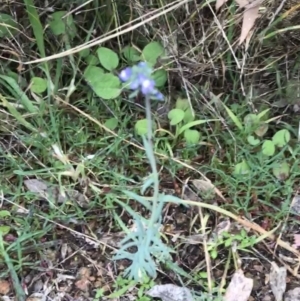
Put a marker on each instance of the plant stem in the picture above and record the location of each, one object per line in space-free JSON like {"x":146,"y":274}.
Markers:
{"x":152,"y":162}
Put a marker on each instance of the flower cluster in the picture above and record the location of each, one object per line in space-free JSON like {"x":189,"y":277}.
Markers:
{"x":139,"y":79}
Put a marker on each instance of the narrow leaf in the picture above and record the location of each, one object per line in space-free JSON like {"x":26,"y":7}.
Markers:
{"x":194,"y":123}
{"x":19,"y":94}
{"x":234,"y":118}
{"x":36,"y":26}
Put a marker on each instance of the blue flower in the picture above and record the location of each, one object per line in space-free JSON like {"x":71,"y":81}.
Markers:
{"x":139,"y":78}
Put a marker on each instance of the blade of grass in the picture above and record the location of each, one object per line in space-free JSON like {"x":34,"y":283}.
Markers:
{"x":14,"y":112}
{"x":234,"y":118}
{"x":19,"y":94}
{"x":20,"y":294}
{"x":39,"y":36}
{"x":36,"y":26}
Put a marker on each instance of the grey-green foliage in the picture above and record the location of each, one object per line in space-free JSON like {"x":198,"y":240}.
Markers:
{"x":145,"y":240}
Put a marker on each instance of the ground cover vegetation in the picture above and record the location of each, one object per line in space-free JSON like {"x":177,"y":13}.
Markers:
{"x":149,"y":150}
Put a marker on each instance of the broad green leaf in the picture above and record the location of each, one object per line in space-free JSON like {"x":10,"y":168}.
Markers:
{"x":92,"y":60}
{"x":108,"y":58}
{"x":188,"y":115}
{"x":234,"y":118}
{"x":194,"y":123}
{"x":85,"y":53}
{"x":268,"y":148}
{"x":203,"y":275}
{"x":251,"y":121}
{"x":92,"y":74}
{"x":281,"y":138}
{"x":175,"y":116}
{"x":141,"y":127}
{"x":111,"y":123}
{"x":252,"y":140}
{"x":214,"y":253}
{"x":131,"y":54}
{"x":4,"y":213}
{"x":281,"y":170}
{"x":182,"y":103}
{"x":59,"y":24}
{"x":108,"y":86}
{"x":241,"y":168}
{"x":262,"y":129}
{"x":160,"y":77}
{"x":8,"y":26}
{"x":38,"y":85}
{"x":152,"y":52}
{"x":4,"y":230}
{"x":192,"y":136}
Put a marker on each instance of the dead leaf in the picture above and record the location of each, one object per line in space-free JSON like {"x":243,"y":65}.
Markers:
{"x":36,"y":297}
{"x":64,"y":250}
{"x":295,"y":206}
{"x":36,"y":186}
{"x":89,"y":241}
{"x":84,"y":273}
{"x":4,"y":287}
{"x":296,"y":241}
{"x":223,"y":226}
{"x":249,"y":17}
{"x":292,"y":295}
{"x":83,"y":282}
{"x":112,"y":239}
{"x":170,"y":292}
{"x":46,"y":191}
{"x":242,"y":3}
{"x":189,"y":194}
{"x":204,"y":186}
{"x":239,"y":288}
{"x":195,"y":239}
{"x":278,"y":281}
{"x":220,"y":3}
{"x":248,"y":3}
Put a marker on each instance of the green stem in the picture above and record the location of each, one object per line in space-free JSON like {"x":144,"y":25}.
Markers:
{"x":152,"y":162}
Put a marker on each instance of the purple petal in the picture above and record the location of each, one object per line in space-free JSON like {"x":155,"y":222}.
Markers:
{"x":142,"y":65}
{"x":134,"y":84}
{"x":158,"y":96}
{"x":125,"y":74}
{"x":147,"y":86}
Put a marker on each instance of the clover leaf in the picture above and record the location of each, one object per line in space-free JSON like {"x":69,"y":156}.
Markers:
{"x":108,"y":58}
{"x":175,"y":116}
